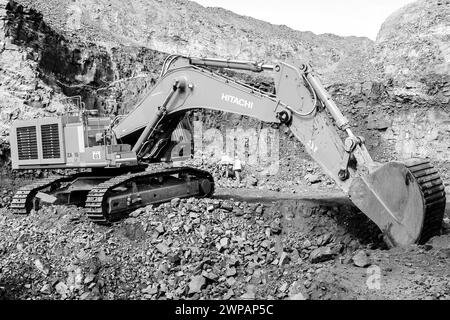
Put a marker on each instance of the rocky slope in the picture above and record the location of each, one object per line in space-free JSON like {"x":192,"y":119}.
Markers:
{"x":413,"y":47}
{"x":185,"y":27}
{"x":413,"y":54}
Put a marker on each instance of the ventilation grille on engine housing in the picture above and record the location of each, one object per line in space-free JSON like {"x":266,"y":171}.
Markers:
{"x":50,"y":141}
{"x":37,"y":142}
{"x":27,"y":146}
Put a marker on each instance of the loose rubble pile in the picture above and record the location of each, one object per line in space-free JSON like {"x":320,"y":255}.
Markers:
{"x":294,"y":176}
{"x":191,"y":249}
{"x":187,"y":248}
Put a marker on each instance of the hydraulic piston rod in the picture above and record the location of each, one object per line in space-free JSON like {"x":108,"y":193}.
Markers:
{"x":341,"y":121}
{"x":159,"y":115}
{"x":232,"y":64}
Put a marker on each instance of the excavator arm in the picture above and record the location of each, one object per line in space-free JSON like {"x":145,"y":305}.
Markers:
{"x":300,"y":103}
{"x":406,"y":200}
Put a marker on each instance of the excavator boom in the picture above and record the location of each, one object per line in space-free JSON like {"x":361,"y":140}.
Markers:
{"x":405,"y":199}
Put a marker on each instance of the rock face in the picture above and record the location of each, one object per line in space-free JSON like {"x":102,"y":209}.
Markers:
{"x":185,"y":27}
{"x":74,"y":67}
{"x":413,"y":54}
{"x":413,"y":47}
{"x":23,"y":93}
{"x":40,"y":68}
{"x":421,"y":132}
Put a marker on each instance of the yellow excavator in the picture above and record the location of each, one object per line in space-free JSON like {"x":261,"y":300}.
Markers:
{"x":405,"y":199}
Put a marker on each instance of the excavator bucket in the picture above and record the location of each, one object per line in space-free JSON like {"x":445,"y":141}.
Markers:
{"x":406,"y":200}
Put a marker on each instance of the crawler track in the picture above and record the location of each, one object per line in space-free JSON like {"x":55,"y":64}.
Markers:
{"x":96,"y":206}
{"x":433,"y":193}
{"x":22,"y":202}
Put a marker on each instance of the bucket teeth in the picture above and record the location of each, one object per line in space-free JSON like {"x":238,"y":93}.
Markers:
{"x":433,"y":193}
{"x":406,"y":200}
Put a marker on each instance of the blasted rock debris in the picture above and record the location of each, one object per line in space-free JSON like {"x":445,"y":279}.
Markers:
{"x":186,"y":248}
{"x":189,"y":249}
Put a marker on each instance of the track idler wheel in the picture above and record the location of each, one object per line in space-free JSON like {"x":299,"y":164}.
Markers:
{"x":406,"y":201}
